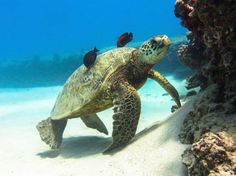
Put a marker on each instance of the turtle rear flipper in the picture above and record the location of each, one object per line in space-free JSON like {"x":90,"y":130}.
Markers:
{"x":93,"y":121}
{"x":126,"y":115}
{"x":51,"y":131}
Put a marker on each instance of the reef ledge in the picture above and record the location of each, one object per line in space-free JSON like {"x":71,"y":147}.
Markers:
{"x":211,"y":52}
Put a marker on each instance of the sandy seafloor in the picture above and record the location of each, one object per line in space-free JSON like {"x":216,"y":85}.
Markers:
{"x":156,"y":151}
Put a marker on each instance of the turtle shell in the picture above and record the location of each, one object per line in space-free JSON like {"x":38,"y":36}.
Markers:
{"x":85,"y":86}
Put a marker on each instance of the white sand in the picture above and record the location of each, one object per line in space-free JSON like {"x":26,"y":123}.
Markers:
{"x":155,"y":151}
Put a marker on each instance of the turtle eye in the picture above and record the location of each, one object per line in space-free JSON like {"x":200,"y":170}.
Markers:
{"x":153,"y":42}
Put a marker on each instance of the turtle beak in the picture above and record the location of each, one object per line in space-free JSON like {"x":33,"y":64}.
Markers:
{"x":163,"y":39}
{"x":166,"y":40}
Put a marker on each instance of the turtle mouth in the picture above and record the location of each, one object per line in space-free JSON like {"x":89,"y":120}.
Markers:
{"x":161,"y":41}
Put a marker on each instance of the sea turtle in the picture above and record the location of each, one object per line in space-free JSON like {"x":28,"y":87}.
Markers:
{"x":113,"y":80}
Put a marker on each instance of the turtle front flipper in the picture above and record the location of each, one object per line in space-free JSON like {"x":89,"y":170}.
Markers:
{"x":153,"y":74}
{"x":93,"y":121}
{"x":126,"y":114}
{"x":51,"y":131}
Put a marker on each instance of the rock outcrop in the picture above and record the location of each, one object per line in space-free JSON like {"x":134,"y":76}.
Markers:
{"x":208,"y":116}
{"x":211,"y":51}
{"x":214,"y":154}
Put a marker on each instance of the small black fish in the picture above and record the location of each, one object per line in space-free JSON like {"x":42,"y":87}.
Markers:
{"x":124,"y":39}
{"x":90,"y":57}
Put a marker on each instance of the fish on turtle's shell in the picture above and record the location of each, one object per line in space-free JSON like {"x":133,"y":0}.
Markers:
{"x":112,"y":81}
{"x":90,"y":57}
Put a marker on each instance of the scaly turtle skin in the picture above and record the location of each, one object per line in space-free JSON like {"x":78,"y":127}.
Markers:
{"x":112,"y":81}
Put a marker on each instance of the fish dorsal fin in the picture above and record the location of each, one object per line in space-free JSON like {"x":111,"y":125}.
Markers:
{"x":95,"y":49}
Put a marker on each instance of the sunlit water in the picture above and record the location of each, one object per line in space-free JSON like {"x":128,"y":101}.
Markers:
{"x":40,"y":29}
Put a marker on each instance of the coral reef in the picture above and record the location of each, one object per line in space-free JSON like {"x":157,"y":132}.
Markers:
{"x":211,"y":52}
{"x":214,"y":154}
{"x":212,"y":38}
{"x":203,"y":128}
{"x":191,"y":55}
{"x":208,"y":116}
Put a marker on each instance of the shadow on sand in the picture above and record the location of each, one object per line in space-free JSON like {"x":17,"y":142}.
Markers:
{"x":78,"y":147}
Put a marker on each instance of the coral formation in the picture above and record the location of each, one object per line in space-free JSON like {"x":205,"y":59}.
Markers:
{"x":208,"y":115}
{"x":191,"y":55}
{"x":211,"y":51}
{"x":215,"y":155}
{"x":212,"y":38}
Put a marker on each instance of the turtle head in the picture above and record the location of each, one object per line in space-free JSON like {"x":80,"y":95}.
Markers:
{"x":153,"y":50}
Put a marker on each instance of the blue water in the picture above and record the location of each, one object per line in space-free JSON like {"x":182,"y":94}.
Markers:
{"x":29,"y":28}
{"x":41,"y":43}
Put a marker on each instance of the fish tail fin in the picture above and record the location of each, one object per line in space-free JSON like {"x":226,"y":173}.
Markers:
{"x":131,"y":35}
{"x":95,"y":49}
